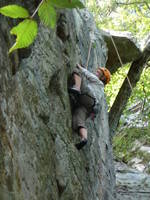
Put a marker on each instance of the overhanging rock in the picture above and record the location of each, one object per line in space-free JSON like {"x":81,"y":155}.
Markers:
{"x":127,"y":47}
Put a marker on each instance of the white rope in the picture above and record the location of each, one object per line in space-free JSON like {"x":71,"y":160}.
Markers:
{"x":89,"y":52}
{"x":116,"y":49}
{"x":120,"y":60}
{"x":92,"y":38}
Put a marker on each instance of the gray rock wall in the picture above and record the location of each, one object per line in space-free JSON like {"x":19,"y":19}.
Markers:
{"x":122,"y":47}
{"x":38,"y":157}
{"x":131,"y":183}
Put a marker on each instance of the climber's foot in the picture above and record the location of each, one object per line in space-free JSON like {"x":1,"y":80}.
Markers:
{"x":81,"y":144}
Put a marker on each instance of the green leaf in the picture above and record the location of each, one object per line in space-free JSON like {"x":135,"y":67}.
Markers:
{"x":67,"y":3}
{"x":47,"y":14}
{"x":26,"y":32}
{"x":14,"y":11}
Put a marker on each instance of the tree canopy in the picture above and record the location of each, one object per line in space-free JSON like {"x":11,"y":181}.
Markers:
{"x":122,"y":15}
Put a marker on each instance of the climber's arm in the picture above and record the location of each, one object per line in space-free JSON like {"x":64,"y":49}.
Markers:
{"x":89,"y":75}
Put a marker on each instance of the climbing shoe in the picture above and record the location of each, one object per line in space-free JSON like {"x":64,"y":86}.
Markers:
{"x":73,"y":90}
{"x":81,"y":144}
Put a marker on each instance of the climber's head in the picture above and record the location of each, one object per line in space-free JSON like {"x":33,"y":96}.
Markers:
{"x":103,"y":74}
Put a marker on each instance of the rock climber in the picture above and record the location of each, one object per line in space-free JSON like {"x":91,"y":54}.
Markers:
{"x":86,"y":89}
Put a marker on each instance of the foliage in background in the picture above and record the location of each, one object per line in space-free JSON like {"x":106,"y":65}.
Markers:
{"x":125,"y":15}
{"x":26,"y":31}
{"x":122,"y":15}
{"x":124,"y":144}
{"x":114,"y":86}
{"x":127,"y":145}
{"x":132,"y":16}
{"x":141,"y":93}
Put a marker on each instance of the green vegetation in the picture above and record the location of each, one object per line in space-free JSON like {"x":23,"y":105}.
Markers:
{"x":113,"y":87}
{"x":126,"y":144}
{"x":26,"y":31}
{"x":14,"y":11}
{"x":122,"y":15}
{"x":131,"y":16}
{"x":44,"y":11}
{"x":141,"y":93}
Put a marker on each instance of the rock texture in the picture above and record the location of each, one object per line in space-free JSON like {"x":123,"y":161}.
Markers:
{"x":123,"y":43}
{"x":38,"y":157}
{"x":132,"y":184}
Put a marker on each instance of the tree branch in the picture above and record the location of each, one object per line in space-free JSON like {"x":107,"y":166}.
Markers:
{"x":133,"y":3}
{"x":37,"y":9}
{"x":147,"y":5}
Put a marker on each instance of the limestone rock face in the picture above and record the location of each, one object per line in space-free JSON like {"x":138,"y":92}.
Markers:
{"x":38,"y":157}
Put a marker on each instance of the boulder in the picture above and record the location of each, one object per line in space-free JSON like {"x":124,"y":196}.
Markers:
{"x":125,"y":44}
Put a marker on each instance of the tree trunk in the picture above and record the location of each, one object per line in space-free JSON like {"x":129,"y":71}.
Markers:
{"x":125,"y":91}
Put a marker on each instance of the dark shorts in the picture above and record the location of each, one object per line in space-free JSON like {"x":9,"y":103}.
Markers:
{"x":82,"y":112}
{"x":86,"y":101}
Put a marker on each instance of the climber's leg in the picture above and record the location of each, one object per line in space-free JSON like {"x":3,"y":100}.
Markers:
{"x":79,"y":117}
{"x":77,"y":80}
{"x":83,"y":135}
{"x":77,"y":84}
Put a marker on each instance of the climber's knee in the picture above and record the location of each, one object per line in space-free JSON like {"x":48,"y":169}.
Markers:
{"x":79,"y":118}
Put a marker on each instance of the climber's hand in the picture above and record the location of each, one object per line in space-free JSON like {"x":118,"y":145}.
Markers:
{"x":79,"y":66}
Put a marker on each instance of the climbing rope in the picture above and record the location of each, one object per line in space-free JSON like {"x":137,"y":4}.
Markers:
{"x":91,"y":34}
{"x":89,"y":52}
{"x":116,"y":49}
{"x":117,"y":52}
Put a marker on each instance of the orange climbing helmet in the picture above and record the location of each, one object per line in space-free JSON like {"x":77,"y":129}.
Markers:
{"x":106,"y":73}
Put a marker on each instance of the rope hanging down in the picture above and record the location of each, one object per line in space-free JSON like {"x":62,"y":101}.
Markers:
{"x":120,"y":60}
{"x":89,"y":52}
{"x":92,"y":38}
